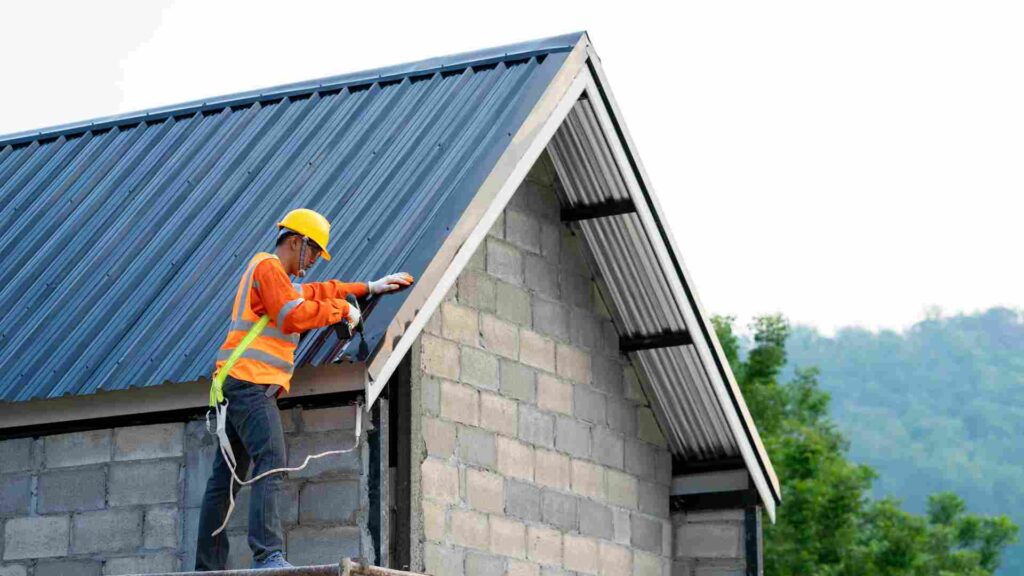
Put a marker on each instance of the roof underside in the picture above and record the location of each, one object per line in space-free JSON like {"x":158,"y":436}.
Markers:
{"x":123,"y":240}
{"x":624,"y":259}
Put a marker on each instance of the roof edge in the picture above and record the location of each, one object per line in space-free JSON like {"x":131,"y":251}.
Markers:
{"x":554,"y":44}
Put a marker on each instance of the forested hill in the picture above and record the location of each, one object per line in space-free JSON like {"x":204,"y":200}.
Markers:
{"x":939,"y":407}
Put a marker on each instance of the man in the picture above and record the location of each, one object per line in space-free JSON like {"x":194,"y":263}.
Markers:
{"x":264,"y":370}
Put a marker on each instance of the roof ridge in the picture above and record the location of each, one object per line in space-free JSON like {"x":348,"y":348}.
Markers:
{"x":433,"y":65}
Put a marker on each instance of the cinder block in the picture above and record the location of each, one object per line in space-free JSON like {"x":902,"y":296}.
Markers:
{"x":573,"y":364}
{"x":584,"y":330}
{"x":143,"y":483}
{"x":550,"y":242}
{"x":550,"y":318}
{"x":15,"y":455}
{"x":470,"y":529}
{"x":107,"y":531}
{"x":541,"y":276}
{"x":631,"y":383}
{"x":478,"y":261}
{"x":522,"y":230}
{"x":518,"y":381}
{"x":513,"y":303}
{"x":608,"y":447}
{"x":621,"y":416}
{"x":572,"y":436}
{"x":572,"y":254}
{"x":485,"y":491}
{"x":309,"y":546}
{"x":78,"y":448}
{"x":575,"y":288}
{"x":161,"y":563}
{"x":15,"y":494}
{"x":200,"y":449}
{"x":499,"y":336}
{"x":36,"y":537}
{"x":596,"y":520}
{"x":460,"y":403}
{"x":479,"y":564}
{"x":435,"y":523}
{"x":479,"y":368}
{"x":640,"y":459}
{"x":620,"y":519}
{"x":328,"y":419}
{"x":521,"y":567}
{"x":536,"y":427}
{"x":615,"y":560}
{"x":460,"y":323}
{"x":552,"y":469}
{"x":536,"y":350}
{"x":67,"y":568}
{"x":430,"y":395}
{"x":13,"y":570}
{"x":498,"y":228}
{"x":588,"y":404}
{"x":439,"y":560}
{"x":654,"y":499}
{"x":476,"y":446}
{"x":663,"y":467}
{"x":645,"y":533}
{"x":588,"y":480}
{"x":499,"y":414}
{"x":72,"y":491}
{"x":504,"y":261}
{"x":522,"y":500}
{"x":329,"y":502}
{"x":708,"y":540}
{"x":439,"y":437}
{"x":439,"y":357}
{"x":508,"y":537}
{"x":161,"y":528}
{"x":476,"y":289}
{"x":289,"y":421}
{"x":648,"y":429}
{"x":439,"y":481}
{"x":581,"y":554}
{"x":544,"y":545}
{"x":607,"y":374}
{"x":720,"y":568}
{"x":645,"y":564}
{"x":560,"y":510}
{"x":622,"y":489}
{"x":515,"y":459}
{"x":188,"y":538}
{"x":149,"y":442}
{"x":553,"y":394}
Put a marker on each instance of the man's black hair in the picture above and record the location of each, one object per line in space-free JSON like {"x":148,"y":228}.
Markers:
{"x":283,"y":236}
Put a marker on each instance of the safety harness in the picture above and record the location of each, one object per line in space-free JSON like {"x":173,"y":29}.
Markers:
{"x":219,"y":405}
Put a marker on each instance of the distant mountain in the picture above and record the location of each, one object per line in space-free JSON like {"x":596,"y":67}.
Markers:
{"x":937,"y":407}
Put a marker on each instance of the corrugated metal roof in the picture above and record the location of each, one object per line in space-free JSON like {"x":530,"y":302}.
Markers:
{"x":123,"y":239}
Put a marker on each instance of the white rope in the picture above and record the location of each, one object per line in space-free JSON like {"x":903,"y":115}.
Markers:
{"x":226,"y":451}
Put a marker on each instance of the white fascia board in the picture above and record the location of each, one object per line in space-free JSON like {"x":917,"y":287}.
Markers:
{"x":690,"y":314}
{"x":483,"y":211}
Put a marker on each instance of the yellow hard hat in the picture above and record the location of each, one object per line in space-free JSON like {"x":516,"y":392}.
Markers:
{"x":310,"y":224}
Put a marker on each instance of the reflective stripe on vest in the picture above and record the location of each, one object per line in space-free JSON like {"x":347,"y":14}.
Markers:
{"x":269,"y":359}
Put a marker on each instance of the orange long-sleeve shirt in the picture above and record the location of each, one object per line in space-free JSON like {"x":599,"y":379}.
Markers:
{"x":320,"y":303}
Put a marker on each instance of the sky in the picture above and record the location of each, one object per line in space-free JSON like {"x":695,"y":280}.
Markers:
{"x":843,"y":163}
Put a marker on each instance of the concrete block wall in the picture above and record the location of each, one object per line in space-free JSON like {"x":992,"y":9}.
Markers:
{"x":709,"y":543}
{"x":126,"y":500}
{"x":535,"y":449}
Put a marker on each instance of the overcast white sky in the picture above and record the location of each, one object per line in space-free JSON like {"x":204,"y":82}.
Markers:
{"x":843,"y":163}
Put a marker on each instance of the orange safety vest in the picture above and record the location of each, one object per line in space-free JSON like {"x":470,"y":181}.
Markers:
{"x":270,"y":358}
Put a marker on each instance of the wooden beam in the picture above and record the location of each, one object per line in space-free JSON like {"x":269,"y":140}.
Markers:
{"x":731,"y":500}
{"x":603,"y":210}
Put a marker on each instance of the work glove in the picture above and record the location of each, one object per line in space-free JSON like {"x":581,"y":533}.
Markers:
{"x":353,"y":317}
{"x":390,"y":283}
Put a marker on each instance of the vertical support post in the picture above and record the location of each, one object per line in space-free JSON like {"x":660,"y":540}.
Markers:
{"x":752,"y":539}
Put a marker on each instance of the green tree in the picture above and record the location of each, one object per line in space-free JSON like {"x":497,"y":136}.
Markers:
{"x":828,"y":525}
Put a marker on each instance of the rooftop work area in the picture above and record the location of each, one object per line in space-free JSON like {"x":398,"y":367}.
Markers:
{"x":552,"y":355}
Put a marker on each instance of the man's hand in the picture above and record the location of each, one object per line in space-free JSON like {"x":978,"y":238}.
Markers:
{"x":354,"y":316}
{"x":390,"y":283}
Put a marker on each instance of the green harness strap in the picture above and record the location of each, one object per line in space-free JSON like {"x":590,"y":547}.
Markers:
{"x":217,"y":386}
